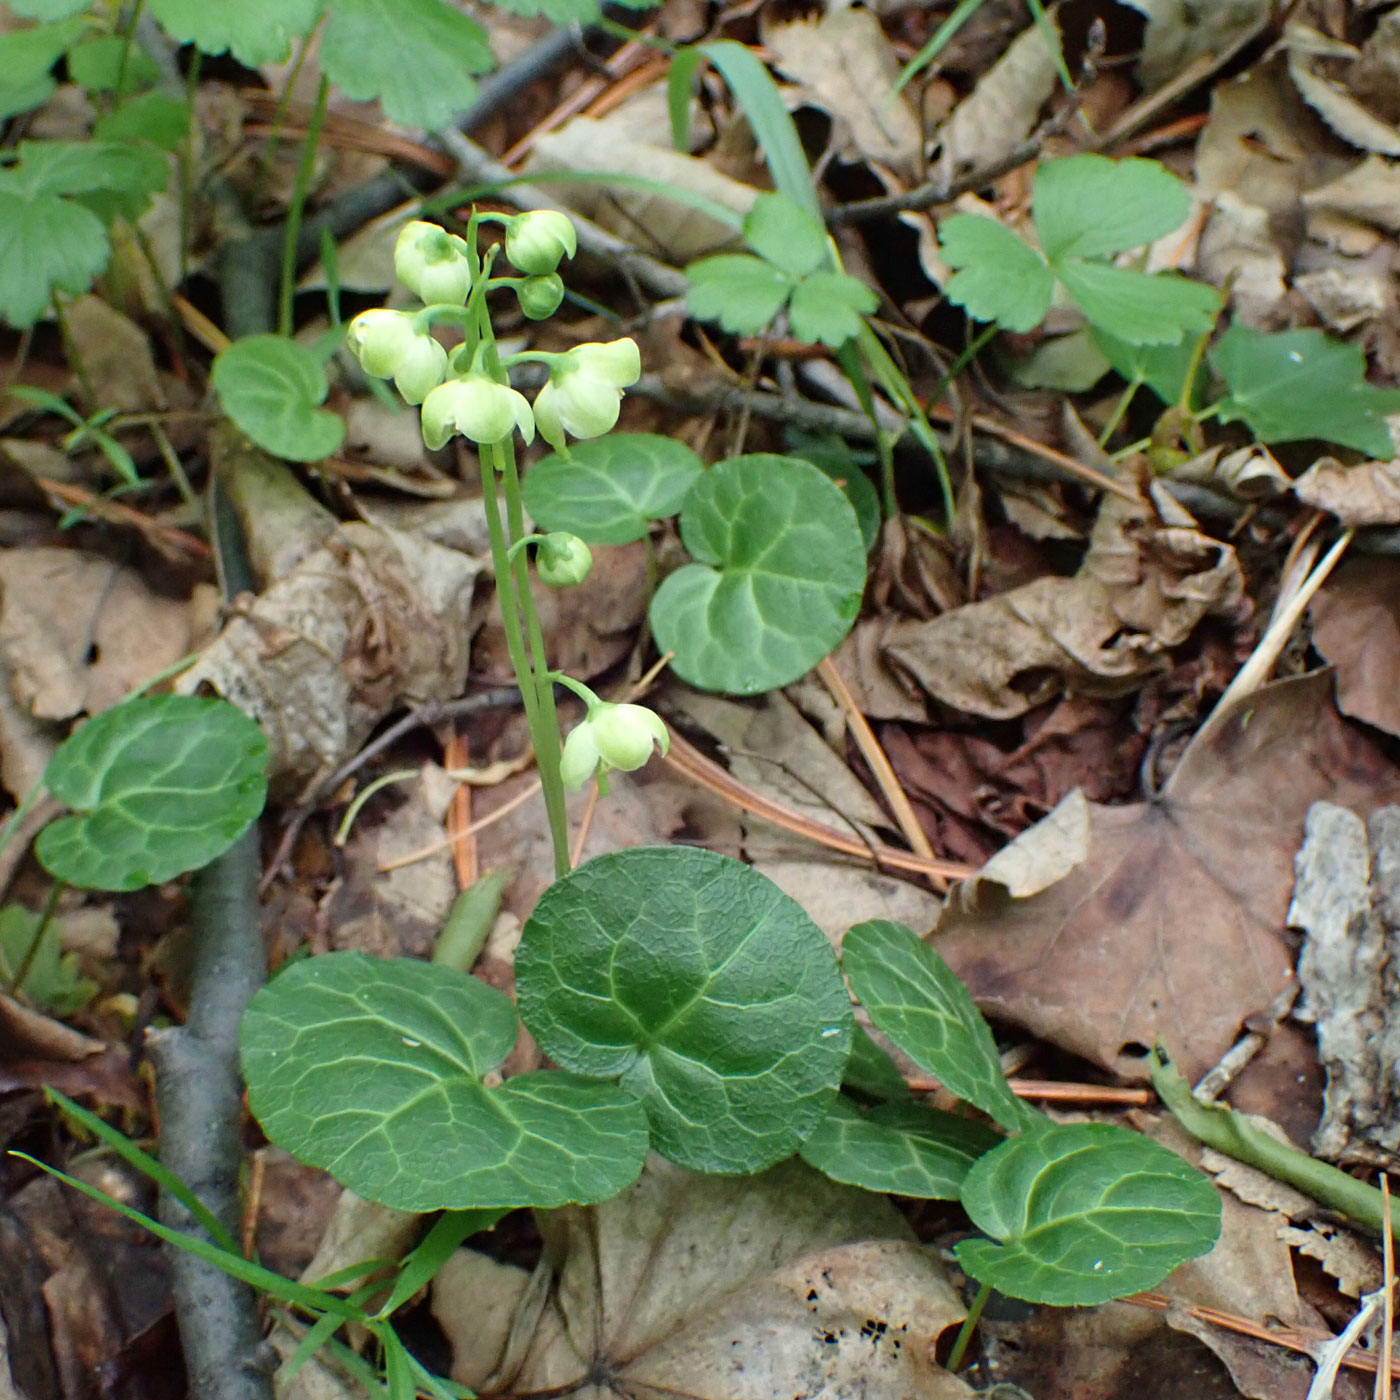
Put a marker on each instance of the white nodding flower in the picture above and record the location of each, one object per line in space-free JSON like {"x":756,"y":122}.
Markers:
{"x":478,"y":408}
{"x":584,"y":393}
{"x":388,"y":345}
{"x":611,"y":736}
{"x":536,"y":241}
{"x":432,"y":263}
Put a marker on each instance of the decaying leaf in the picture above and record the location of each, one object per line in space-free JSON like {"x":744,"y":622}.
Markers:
{"x":1172,"y":924}
{"x":1366,"y":494}
{"x":1318,"y":66}
{"x":1180,"y":32}
{"x":703,"y":1286}
{"x":1356,"y":628}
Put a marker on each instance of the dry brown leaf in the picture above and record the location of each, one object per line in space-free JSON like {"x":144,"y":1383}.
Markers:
{"x":1172,"y":926}
{"x":1356,"y":627}
{"x":1366,"y":494}
{"x":1318,"y":66}
{"x":1180,"y":31}
{"x":115,"y":353}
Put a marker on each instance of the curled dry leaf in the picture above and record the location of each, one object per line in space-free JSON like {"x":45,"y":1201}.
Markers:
{"x":1366,"y":494}
{"x":1321,"y":68}
{"x":1356,"y":628}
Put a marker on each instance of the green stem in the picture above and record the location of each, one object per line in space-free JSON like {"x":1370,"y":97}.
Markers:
{"x":292,"y":233}
{"x":128,"y":38}
{"x":187,"y":165}
{"x":1120,"y":409}
{"x":964,"y":1337}
{"x":45,"y":919}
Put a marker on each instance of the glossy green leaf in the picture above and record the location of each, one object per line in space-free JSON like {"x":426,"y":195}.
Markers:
{"x":1088,"y":206}
{"x":253,"y":31}
{"x":608,"y":490}
{"x":997,"y":276}
{"x":1295,"y":385}
{"x":780,"y":566}
{"x":699,"y":985}
{"x":871,"y":1073}
{"x":742,"y":293}
{"x":372,"y":1070}
{"x":902,"y":1148}
{"x":1082,"y":1213}
{"x":54,"y":981}
{"x":827,"y":307}
{"x":157,"y":785}
{"x":912,"y":995}
{"x":1139,"y":307}
{"x":271,"y":387}
{"x":832,"y":457}
{"x":786,"y":235}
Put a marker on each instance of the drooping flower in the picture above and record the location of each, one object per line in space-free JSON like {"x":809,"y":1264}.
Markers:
{"x":388,"y":345}
{"x":611,"y":736}
{"x":478,"y":408}
{"x":432,"y":263}
{"x":536,"y":241}
{"x":540,"y":297}
{"x":562,"y":559}
{"x":584,"y":393}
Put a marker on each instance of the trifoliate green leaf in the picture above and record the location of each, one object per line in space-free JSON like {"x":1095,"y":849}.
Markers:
{"x":253,"y":31}
{"x":46,"y":244}
{"x":1141,"y":308}
{"x":54,"y":981}
{"x":26,"y":56}
{"x":1088,"y":206}
{"x":1303,"y":384}
{"x":740,"y":292}
{"x":997,"y":276}
{"x":827,"y":307}
{"x":271,"y":387}
{"x":786,"y":235}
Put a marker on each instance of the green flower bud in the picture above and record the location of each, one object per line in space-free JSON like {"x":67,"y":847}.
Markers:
{"x":540,"y":297}
{"x":432,"y":263}
{"x":389,"y":346}
{"x":584,"y":393}
{"x":478,"y":408}
{"x":562,"y":559}
{"x":612,"y":736}
{"x":536,"y":241}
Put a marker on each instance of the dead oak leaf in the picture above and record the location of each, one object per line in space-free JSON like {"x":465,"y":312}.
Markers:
{"x":1366,"y":494}
{"x":1172,"y":925}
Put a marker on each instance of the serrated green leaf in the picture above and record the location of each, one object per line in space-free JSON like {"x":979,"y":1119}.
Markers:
{"x":1083,"y":1213}
{"x":84,"y":167}
{"x":253,"y":31}
{"x":1088,"y":206}
{"x":1163,"y":368}
{"x":46,"y":244}
{"x":998,"y":276}
{"x":1295,"y":385}
{"x":779,"y":571}
{"x":786,"y":235}
{"x":98,"y":61}
{"x":415,"y":56}
{"x":608,"y":490}
{"x":26,"y":56}
{"x":1139,"y":307}
{"x":913,"y":996}
{"x":702,"y":988}
{"x":901,"y":1148}
{"x":54,"y":981}
{"x":153,"y":117}
{"x":270,"y":386}
{"x":742,"y":293}
{"x":827,"y":307}
{"x":372,"y":1070}
{"x":158,"y":785}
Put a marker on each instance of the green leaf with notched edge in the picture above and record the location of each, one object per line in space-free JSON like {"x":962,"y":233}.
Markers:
{"x":997,"y":276}
{"x":1142,"y":308}
{"x":1083,"y":1213}
{"x":372,"y":1070}
{"x":827,"y":307}
{"x":781,"y":231}
{"x":54,"y":980}
{"x":271,"y":387}
{"x":699,"y":985}
{"x":46,"y":244}
{"x":779,"y":571}
{"x":608,"y":490}
{"x":253,"y":31}
{"x":26,"y":57}
{"x":1089,"y":206}
{"x":902,"y":1148}
{"x":1295,"y":385}
{"x":742,"y":293}
{"x":153,"y":117}
{"x":912,"y":995}
{"x":158,"y":785}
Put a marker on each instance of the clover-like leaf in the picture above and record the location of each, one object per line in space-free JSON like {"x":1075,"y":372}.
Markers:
{"x":157,"y":786}
{"x":914,"y":998}
{"x":1294,"y":385}
{"x":778,"y":578}
{"x":742,"y":293}
{"x":608,"y":490}
{"x":997,"y":276}
{"x":1088,"y":206}
{"x":270,"y":386}
{"x":781,"y":231}
{"x":902,"y":1148}
{"x":1082,"y":1213}
{"x":253,"y":31}
{"x":827,"y":307}
{"x":703,"y":988}
{"x":46,"y":244}
{"x":372,"y":1070}
{"x":1139,"y":307}
{"x":52,"y":980}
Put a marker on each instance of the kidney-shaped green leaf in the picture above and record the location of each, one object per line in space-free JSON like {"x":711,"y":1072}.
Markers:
{"x":270,"y":386}
{"x":699,"y":985}
{"x":915,"y":998}
{"x":778,"y":578}
{"x":373,"y":1071}
{"x":608,"y":490}
{"x":1084,"y":1212}
{"x":158,"y":785}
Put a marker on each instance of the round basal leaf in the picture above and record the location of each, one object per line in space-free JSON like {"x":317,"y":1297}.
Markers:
{"x":158,"y":785}
{"x":699,"y":985}
{"x":901,"y":1148}
{"x":777,"y":583}
{"x":831,"y":456}
{"x":1084,"y":1213}
{"x":270,"y":386}
{"x":372,"y":1070}
{"x":913,"y":996}
{"x":610,"y":489}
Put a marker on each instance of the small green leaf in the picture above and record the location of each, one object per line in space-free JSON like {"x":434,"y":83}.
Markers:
{"x":998,"y":276}
{"x":1084,"y":1213}
{"x":608,"y":490}
{"x":827,"y":307}
{"x":253,"y":31}
{"x":46,"y":244}
{"x":786,"y":235}
{"x":1295,"y":385}
{"x":54,"y":981}
{"x":901,"y":1148}
{"x":270,"y":386}
{"x":99,"y":60}
{"x":914,"y":998}
{"x":702,"y":988}
{"x":779,"y":571}
{"x":373,"y":1071}
{"x":1163,"y":368}
{"x":1088,"y":206}
{"x":158,"y":785}
{"x":1139,"y":307}
{"x":742,"y":293}
{"x":84,"y":167}
{"x":153,"y":117}
{"x":26,"y":56}
{"x":415,"y":56}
